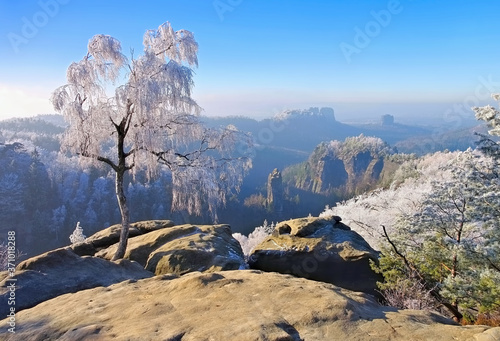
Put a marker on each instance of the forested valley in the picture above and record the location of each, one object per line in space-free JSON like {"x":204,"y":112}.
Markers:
{"x":45,"y":192}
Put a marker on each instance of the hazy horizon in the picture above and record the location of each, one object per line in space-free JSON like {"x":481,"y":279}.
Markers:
{"x":406,"y":58}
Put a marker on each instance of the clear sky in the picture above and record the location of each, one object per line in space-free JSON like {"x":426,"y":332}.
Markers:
{"x":256,"y":57}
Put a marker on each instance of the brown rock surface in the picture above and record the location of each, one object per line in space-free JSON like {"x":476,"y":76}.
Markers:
{"x":59,"y":272}
{"x":322,"y":249}
{"x":111,"y":235}
{"x":184,"y":248}
{"x":231,"y":305}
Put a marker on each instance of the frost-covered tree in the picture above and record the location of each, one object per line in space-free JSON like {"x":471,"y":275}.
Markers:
{"x":451,"y":244}
{"x":491,"y":116}
{"x":77,"y":236}
{"x":149,"y":119}
{"x":410,"y":185}
{"x":441,"y":213}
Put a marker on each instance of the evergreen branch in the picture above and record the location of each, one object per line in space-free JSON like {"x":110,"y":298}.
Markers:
{"x":414,"y":272}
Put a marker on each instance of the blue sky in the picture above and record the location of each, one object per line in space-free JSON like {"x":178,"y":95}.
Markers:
{"x":364,"y":58}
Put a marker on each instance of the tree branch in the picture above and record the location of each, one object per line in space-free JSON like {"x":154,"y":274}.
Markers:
{"x":414,"y":272}
{"x":100,"y":158}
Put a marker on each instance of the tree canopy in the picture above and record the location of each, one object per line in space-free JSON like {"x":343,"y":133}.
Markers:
{"x":138,"y":114}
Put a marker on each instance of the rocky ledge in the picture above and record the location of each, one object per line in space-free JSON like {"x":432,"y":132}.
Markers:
{"x":172,"y":286}
{"x":231,"y":305}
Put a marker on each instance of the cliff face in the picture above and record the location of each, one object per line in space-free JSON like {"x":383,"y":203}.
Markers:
{"x":350,"y":166}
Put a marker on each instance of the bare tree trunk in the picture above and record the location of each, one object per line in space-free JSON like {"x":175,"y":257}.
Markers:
{"x":122,"y":203}
{"x":120,"y":191}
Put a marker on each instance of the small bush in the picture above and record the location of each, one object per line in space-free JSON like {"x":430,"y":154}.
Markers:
{"x":407,"y":294}
{"x":249,"y":243}
{"x":4,"y":257}
{"x":77,"y":236}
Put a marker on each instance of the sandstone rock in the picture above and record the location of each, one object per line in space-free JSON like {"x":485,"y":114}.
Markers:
{"x":322,"y":249}
{"x":184,"y":248}
{"x":387,"y":120}
{"x":111,"y":235}
{"x":352,"y":166}
{"x":275,"y":192}
{"x":304,"y":227}
{"x":232,"y":305}
{"x":60,"y":272}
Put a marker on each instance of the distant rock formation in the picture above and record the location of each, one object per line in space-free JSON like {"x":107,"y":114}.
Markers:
{"x":325,"y":112}
{"x":275,"y":193}
{"x":387,"y":120}
{"x":350,"y":166}
{"x":322,"y":249}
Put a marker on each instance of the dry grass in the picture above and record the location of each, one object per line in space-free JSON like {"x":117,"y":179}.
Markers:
{"x":489,"y":319}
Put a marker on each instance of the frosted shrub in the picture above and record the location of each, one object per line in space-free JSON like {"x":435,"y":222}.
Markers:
{"x":249,"y":243}
{"x":77,"y":236}
{"x":4,"y":257}
{"x":409,"y":295}
{"x":267,"y":228}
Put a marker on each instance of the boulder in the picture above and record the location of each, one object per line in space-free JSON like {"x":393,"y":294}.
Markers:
{"x":322,"y":249}
{"x":59,"y":272}
{"x":184,"y":248}
{"x":111,"y":235}
{"x":231,"y":305}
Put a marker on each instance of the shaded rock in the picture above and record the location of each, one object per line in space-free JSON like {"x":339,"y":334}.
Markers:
{"x":60,"y":272}
{"x":111,"y":235}
{"x":275,"y":192}
{"x":387,"y":120}
{"x":184,"y":248}
{"x":330,"y":173}
{"x":232,"y":305}
{"x":348,"y":167}
{"x":322,"y":249}
{"x":303,"y":227}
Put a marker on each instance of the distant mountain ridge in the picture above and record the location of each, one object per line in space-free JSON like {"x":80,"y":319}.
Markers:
{"x":306,"y":113}
{"x":304,"y":129}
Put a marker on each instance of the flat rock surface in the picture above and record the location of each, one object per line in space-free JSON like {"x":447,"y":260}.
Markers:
{"x":231,"y":305}
{"x":59,"y":272}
